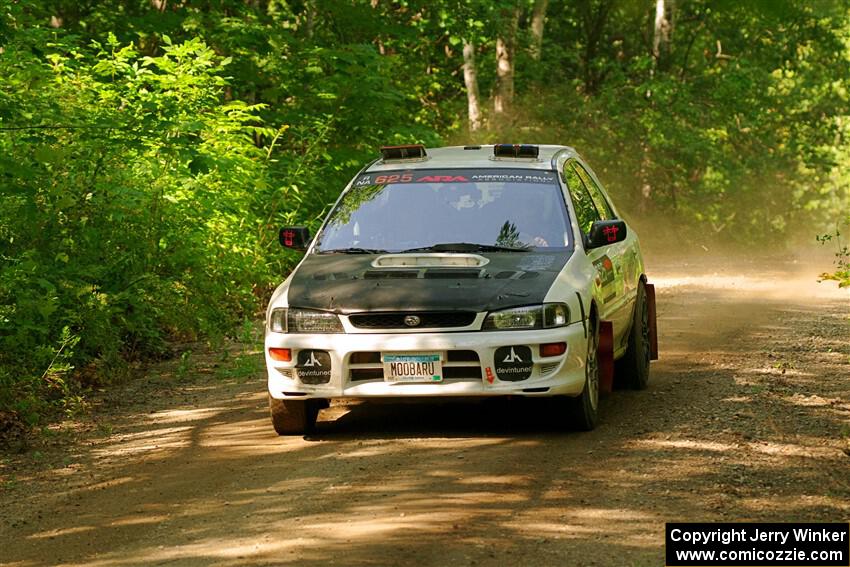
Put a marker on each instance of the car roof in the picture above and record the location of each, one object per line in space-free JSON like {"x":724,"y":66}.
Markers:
{"x":451,"y":157}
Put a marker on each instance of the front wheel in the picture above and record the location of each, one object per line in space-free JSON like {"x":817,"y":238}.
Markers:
{"x":585,"y":408}
{"x":632,"y":371}
{"x":294,"y":417}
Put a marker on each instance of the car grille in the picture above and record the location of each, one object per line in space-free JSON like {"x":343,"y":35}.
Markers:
{"x":366,"y":374}
{"x":459,"y":365}
{"x":428,"y":320}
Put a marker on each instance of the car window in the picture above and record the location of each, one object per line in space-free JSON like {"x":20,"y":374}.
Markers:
{"x":585,"y":209}
{"x":595,"y":193}
{"x":399,"y":211}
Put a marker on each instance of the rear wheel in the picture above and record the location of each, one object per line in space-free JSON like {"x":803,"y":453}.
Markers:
{"x":294,"y":417}
{"x":585,"y":408}
{"x":632,"y":371}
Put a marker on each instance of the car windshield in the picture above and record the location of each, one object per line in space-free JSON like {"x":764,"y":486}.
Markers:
{"x":448,"y":210}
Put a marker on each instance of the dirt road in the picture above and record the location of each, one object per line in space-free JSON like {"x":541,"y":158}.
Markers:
{"x":747,"y":418}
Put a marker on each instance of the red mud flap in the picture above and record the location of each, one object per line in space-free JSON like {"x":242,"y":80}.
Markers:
{"x":606,"y":357}
{"x":653,"y":327}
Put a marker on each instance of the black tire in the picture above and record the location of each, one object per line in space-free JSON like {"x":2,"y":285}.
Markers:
{"x":294,"y":417}
{"x":632,"y":371}
{"x":585,"y":408}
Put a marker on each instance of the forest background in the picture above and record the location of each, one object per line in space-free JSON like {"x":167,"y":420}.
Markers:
{"x":150,"y":149}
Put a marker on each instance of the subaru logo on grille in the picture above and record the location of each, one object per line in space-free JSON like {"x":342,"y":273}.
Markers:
{"x":412,"y":321}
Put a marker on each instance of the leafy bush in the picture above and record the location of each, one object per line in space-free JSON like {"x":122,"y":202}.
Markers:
{"x":125,"y":191}
{"x":142,"y":187}
{"x":842,"y":259}
{"x":143,"y":178}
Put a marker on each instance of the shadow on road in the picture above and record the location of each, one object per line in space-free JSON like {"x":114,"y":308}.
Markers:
{"x":739,"y":423}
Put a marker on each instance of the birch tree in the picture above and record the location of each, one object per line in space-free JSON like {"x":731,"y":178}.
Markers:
{"x":538,"y":19}
{"x":470,"y":79}
{"x":661,"y":33}
{"x":505,"y":47}
{"x":660,"y":41}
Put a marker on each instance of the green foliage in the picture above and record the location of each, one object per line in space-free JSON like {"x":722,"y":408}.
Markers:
{"x":124,"y":181}
{"x":146,"y":161}
{"x":842,"y":259}
{"x":738,"y":127}
{"x":150,"y":150}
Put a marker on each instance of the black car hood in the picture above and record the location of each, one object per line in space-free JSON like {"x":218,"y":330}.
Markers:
{"x":347,"y":283}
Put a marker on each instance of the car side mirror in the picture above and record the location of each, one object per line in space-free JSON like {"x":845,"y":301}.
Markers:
{"x":295,"y":237}
{"x":605,"y":232}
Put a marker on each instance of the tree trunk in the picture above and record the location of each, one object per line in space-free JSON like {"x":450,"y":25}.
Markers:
{"x":643,"y":175}
{"x":310,"y":18}
{"x":594,"y":18}
{"x":660,"y":40}
{"x":470,"y":78}
{"x":661,"y":35}
{"x":671,"y":21}
{"x":538,"y":18}
{"x":505,"y":43}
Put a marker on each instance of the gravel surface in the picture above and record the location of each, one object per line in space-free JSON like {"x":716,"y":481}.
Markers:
{"x":747,"y":417}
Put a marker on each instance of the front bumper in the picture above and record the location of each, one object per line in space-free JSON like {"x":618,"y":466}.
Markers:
{"x":465,"y":373}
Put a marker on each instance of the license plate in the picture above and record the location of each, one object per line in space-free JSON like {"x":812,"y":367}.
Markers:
{"x":420,"y":367}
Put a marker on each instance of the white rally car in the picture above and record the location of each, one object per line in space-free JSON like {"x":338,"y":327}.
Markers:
{"x":462,"y":271}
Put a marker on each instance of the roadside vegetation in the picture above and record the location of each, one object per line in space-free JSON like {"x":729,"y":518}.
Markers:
{"x":149,"y":149}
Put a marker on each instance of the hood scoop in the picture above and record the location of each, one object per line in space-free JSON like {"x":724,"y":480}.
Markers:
{"x":430,"y":260}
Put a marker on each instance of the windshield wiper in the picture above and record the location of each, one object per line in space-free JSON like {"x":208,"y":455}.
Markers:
{"x":353,"y":250}
{"x":464,"y":247}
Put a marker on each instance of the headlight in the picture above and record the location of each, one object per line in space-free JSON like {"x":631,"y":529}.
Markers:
{"x":277,"y":321}
{"x":544,"y":316}
{"x":303,"y":321}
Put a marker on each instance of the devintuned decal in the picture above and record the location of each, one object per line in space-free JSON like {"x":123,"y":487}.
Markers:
{"x":457,"y":176}
{"x":513,"y":363}
{"x":313,"y":366}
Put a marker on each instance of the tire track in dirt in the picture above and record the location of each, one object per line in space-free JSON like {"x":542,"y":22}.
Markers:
{"x":747,"y":418}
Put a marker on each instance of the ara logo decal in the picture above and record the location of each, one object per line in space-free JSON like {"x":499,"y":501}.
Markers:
{"x":489,"y":372}
{"x":288,"y":238}
{"x":513,"y":363}
{"x":313,"y":367}
{"x":455,"y":175}
{"x":442,"y":179}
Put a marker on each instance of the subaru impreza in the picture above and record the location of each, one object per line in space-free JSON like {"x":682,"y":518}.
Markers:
{"x":497,"y":270}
